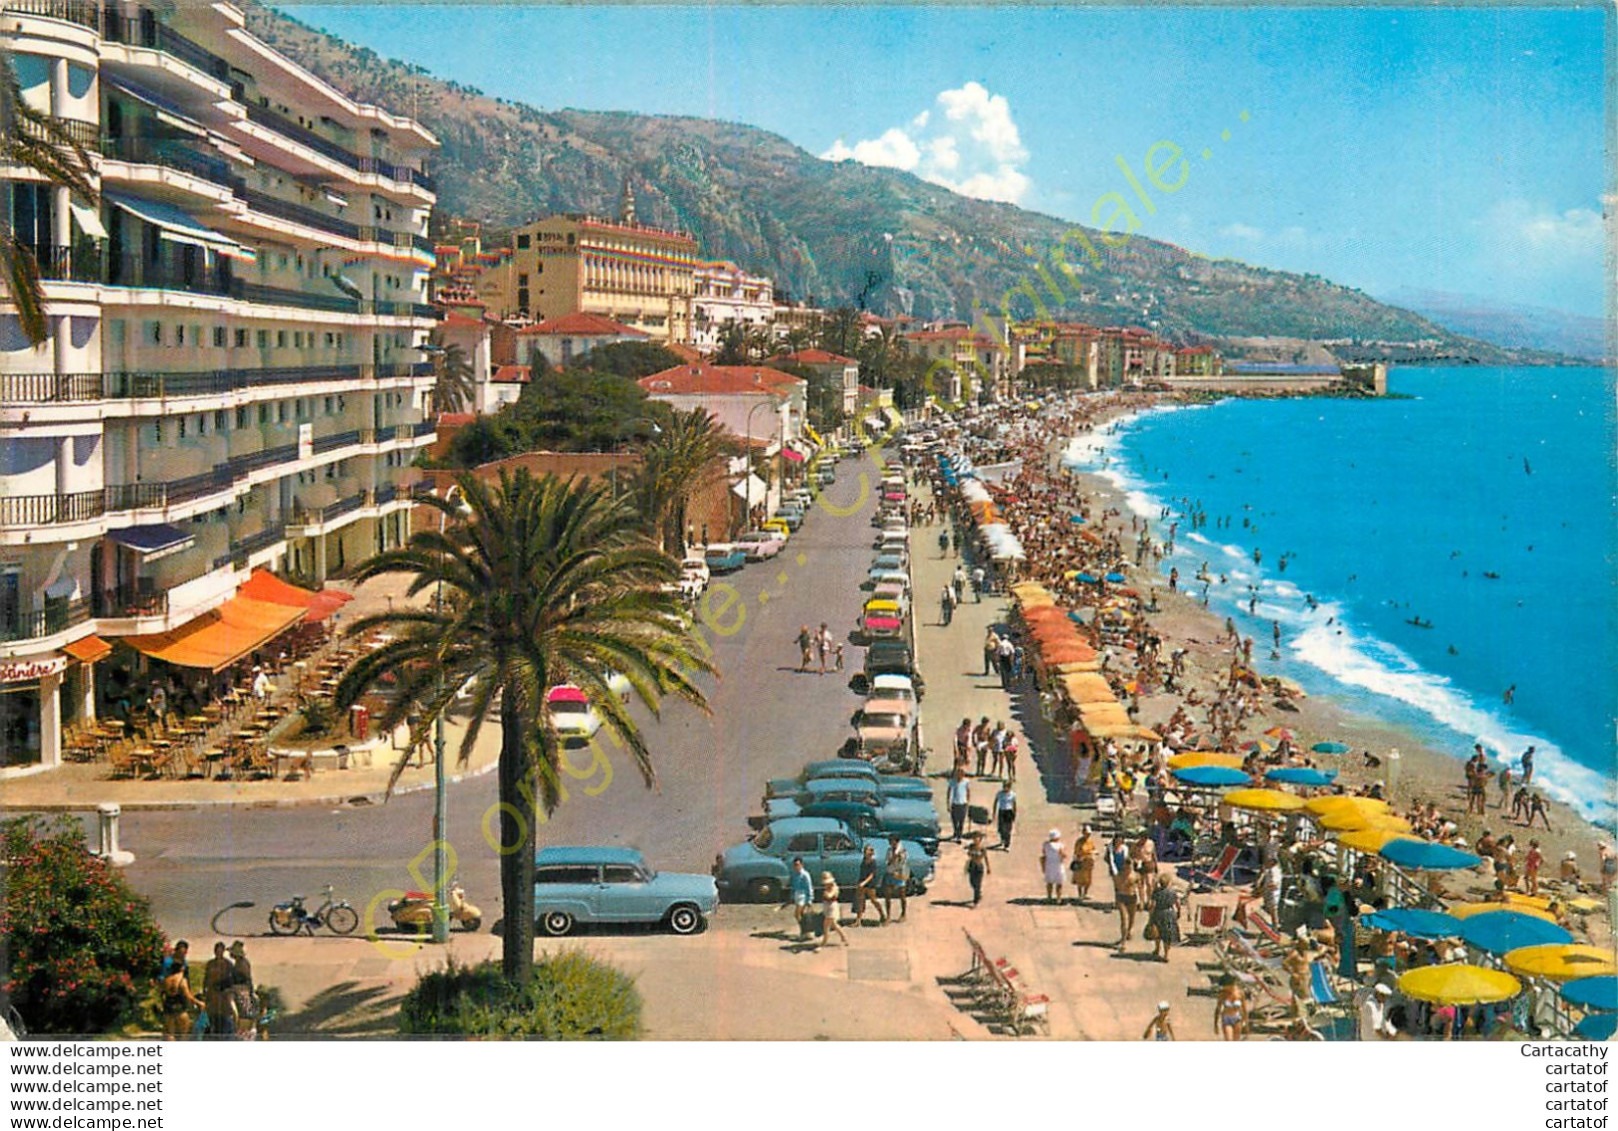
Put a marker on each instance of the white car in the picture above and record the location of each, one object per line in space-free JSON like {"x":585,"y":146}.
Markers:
{"x":883,"y":575}
{"x":892,"y":687}
{"x":571,"y":714}
{"x":693,"y":568}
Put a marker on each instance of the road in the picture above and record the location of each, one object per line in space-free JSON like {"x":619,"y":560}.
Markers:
{"x":767,"y":720}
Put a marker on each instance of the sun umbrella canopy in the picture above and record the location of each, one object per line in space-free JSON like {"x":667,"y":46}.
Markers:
{"x":1427,"y":856}
{"x":1561,"y":963}
{"x":1468,"y":910}
{"x":1205,"y":758}
{"x":1329,"y":748}
{"x":1260,"y":745}
{"x":1271,"y":800}
{"x":1281,"y":733}
{"x":1115,"y":577}
{"x":1600,"y":992}
{"x":1211,"y":776}
{"x":1302,"y":775}
{"x":1350,"y":820}
{"x":1370,"y":840}
{"x":1597,"y":1027}
{"x":1459,"y":984}
{"x":1415,"y":922}
{"x":1499,"y":932}
{"x":1324,"y":805}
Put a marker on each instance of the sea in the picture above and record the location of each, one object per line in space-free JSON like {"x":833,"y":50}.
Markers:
{"x":1443,"y":559}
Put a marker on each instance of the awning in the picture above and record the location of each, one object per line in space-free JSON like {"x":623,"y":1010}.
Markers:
{"x":812,"y":434}
{"x":265,"y":586}
{"x":220,"y":637}
{"x":88,"y":219}
{"x":751,"y":490}
{"x":88,"y":650}
{"x":791,"y":454}
{"x":177,"y":226}
{"x":167,"y":112}
{"x":153,"y":541}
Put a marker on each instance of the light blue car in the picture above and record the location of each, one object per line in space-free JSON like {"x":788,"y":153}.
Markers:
{"x":616,"y":885}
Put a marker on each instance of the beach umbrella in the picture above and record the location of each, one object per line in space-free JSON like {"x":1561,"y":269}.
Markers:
{"x":1211,"y":776}
{"x":1260,"y":745}
{"x":1329,"y":748}
{"x":1597,"y":1027}
{"x":1369,"y":840}
{"x":1501,"y":931}
{"x":1076,"y":519}
{"x":1414,"y":922}
{"x":1467,"y":910}
{"x":1065,"y":653}
{"x":1084,"y":578}
{"x":1301,"y":775}
{"x":1426,"y":855}
{"x":1459,"y":984}
{"x":1353,"y":820}
{"x":1263,"y":800}
{"x":1281,"y":733}
{"x":1345,"y":801}
{"x":1205,"y":758}
{"x":1561,"y":962}
{"x":1115,"y":577}
{"x":1073,"y":615}
{"x":1600,"y":992}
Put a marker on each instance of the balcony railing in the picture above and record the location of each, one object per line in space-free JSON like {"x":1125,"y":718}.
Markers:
{"x":80,"y":263}
{"x":238,"y":466}
{"x":286,"y":127}
{"x":314,"y":516}
{"x":215,"y":382}
{"x":298,"y":214}
{"x":171,"y":155}
{"x":85,"y":13}
{"x":324,"y":444}
{"x":57,"y":616}
{"x":280,"y":296}
{"x":51,"y":510}
{"x":131,"y":601}
{"x":49,"y":388}
{"x":399,"y":309}
{"x":241,"y":550}
{"x":86,"y":134}
{"x":148,"y":31}
{"x":187,"y":270}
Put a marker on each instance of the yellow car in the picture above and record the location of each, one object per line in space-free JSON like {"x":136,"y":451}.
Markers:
{"x":779,"y":525}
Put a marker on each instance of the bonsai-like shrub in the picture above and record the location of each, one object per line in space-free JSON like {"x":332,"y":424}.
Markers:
{"x":571,"y":997}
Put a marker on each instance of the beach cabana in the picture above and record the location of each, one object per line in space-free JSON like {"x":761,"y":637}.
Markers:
{"x":1459,"y":984}
{"x":1263,"y":800}
{"x":1600,"y":992}
{"x":1500,"y":932}
{"x":1415,"y":922}
{"x":1426,"y":856}
{"x":1562,"y":962}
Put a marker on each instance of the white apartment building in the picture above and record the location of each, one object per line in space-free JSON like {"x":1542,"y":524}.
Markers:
{"x":722,"y":294}
{"x":232,"y":377}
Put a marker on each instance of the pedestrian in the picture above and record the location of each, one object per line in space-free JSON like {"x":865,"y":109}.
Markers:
{"x":1528,"y":766}
{"x":1609,"y":865}
{"x":1121,"y":866}
{"x":1084,"y":863}
{"x":1011,"y":757}
{"x":837,"y":655}
{"x":1159,"y":1028}
{"x":801,"y":894}
{"x":829,"y":893}
{"x":218,"y":998}
{"x":805,"y":647}
{"x":261,"y":683}
{"x":1230,"y":1010}
{"x":823,"y":644}
{"x":977,"y":866}
{"x":1007,"y":653}
{"x":963,"y":742}
{"x":179,"y":1004}
{"x":1519,"y":803}
{"x":1053,"y":865}
{"x":959,"y":799}
{"x":959,"y":581}
{"x":242,"y":989}
{"x":896,"y":874}
{"x":178,"y":959}
{"x":943,"y":543}
{"x":1163,"y":919}
{"x":978,"y":577}
{"x":991,"y":650}
{"x":866,"y":889}
{"x":1538,"y":808}
{"x":1505,"y":784}
{"x":946,"y":606}
{"x":1005,"y":813}
{"x":1174,"y":580}
{"x":1373,"y":1014}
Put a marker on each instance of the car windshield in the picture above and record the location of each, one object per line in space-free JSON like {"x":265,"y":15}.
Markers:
{"x":569,"y":707}
{"x":879,"y":719}
{"x":764,"y":839}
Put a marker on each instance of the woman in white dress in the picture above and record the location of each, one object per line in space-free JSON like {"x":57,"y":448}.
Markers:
{"x":1053,"y":862}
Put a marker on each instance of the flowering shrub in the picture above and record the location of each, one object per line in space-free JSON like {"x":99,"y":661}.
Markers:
{"x":571,"y":997}
{"x":80,"y":947}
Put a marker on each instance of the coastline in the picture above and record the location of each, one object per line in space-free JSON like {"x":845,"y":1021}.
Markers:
{"x":1426,"y":771}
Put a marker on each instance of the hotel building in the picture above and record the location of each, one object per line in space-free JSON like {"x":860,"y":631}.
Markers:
{"x":232,"y":376}
{"x":725,"y":295}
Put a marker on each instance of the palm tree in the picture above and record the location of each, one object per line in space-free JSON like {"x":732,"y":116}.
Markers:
{"x":543,"y":581}
{"x":452,"y":377}
{"x":32,"y":139}
{"x":684,"y":458}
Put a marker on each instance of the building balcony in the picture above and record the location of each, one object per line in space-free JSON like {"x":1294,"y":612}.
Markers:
{"x":171,"y":155}
{"x":51,"y":510}
{"x":86,"y":134}
{"x":149,"y":32}
{"x":81,"y":388}
{"x":85,"y":13}
{"x":298,"y":214}
{"x":131,"y":601}
{"x":332,"y":150}
{"x":57,"y":616}
{"x":243,"y":549}
{"x":50,"y":388}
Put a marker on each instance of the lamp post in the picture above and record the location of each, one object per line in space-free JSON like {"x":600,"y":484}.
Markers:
{"x":440,"y":796}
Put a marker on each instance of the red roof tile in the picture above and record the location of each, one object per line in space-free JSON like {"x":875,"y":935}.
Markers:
{"x":513,"y":375}
{"x":721,"y":379}
{"x":817,"y":357}
{"x":581,"y":324}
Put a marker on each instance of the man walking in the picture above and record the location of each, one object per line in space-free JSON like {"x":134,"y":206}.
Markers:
{"x":897,"y":884}
{"x":960,"y":584}
{"x":960,"y":799}
{"x":946,"y":606}
{"x":802,"y":895}
{"x":991,"y":651}
{"x":865,"y":890}
{"x":1007,"y":656}
{"x":1005,"y":813}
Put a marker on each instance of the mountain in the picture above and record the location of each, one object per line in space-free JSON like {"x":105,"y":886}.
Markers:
{"x":835,"y":233}
{"x":1513,"y":325}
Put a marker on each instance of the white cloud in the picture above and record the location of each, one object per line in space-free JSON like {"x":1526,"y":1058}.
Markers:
{"x":1242,"y":232}
{"x":972,"y":146}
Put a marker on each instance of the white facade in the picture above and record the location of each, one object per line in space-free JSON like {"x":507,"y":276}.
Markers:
{"x":723,"y":294}
{"x":233,"y":346}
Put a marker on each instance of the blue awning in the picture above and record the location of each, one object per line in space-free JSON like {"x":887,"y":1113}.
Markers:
{"x":179,"y":226}
{"x":152,"y":541}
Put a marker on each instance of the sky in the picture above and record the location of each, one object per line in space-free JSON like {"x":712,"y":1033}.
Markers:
{"x":1454,"y":150}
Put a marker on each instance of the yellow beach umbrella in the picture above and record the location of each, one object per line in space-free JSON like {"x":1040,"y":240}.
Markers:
{"x":1350,"y":820}
{"x":1266,"y":800}
{"x":1205,"y":758}
{"x":1091,"y":688}
{"x":1370,"y":840}
{"x":1459,"y":984}
{"x":1336,"y":802}
{"x":1519,"y":901}
{"x":1076,"y":666}
{"x":1562,"y":962}
{"x":1467,"y":910}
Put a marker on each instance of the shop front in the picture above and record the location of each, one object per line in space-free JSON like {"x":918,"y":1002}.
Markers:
{"x":31,"y":713}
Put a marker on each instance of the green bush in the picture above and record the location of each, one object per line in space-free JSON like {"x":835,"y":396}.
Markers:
{"x":571,"y":997}
{"x":81,"y":947}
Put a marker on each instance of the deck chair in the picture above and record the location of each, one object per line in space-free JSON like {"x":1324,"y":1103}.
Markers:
{"x":1320,"y":987}
{"x":1216,"y":877}
{"x":1210,"y":920}
{"x":1106,"y":811}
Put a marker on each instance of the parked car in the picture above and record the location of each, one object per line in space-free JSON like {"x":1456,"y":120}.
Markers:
{"x":888,"y":561}
{"x":778,"y":524}
{"x":792,"y":514}
{"x":884,"y":732}
{"x":616,"y":885}
{"x":878,"y":822}
{"x":895,"y":594}
{"x":759,"y":545}
{"x":858,"y":768}
{"x":761,"y":868}
{"x":892,"y":687}
{"x":918,"y":811}
{"x":722,"y":557}
{"x":880,"y":577}
{"x":892,"y":657}
{"x":571,"y":714}
{"x":694,"y":568}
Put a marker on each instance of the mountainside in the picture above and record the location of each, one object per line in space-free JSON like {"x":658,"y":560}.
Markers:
{"x":836,"y":233}
{"x":1510,"y":324}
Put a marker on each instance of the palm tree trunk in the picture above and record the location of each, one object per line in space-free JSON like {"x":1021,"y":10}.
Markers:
{"x":518,"y":817}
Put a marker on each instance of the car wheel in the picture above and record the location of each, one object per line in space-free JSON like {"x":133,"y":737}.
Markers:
{"x":764,"y":890}
{"x":686,"y":920}
{"x":556,"y":923}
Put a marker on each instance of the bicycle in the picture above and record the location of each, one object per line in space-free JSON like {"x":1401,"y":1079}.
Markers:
{"x":290,"y":917}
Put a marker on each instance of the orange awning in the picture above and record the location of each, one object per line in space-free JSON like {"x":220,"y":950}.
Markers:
{"x":265,"y":586}
{"x":89,"y":649}
{"x":220,"y":637}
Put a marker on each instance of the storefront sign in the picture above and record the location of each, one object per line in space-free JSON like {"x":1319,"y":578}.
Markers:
{"x":19,"y":671}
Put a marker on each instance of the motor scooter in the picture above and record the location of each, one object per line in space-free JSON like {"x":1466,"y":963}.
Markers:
{"x":415,"y":911}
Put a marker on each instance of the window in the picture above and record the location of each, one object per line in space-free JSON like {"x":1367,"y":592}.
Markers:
{"x":804,"y":842}
{"x":263,"y":339}
{"x":839,"y":842}
{"x":328,"y":406}
{"x":523,"y":240}
{"x":154,"y":333}
{"x":157,"y":431}
{"x":263,"y":414}
{"x":621,"y":874}
{"x":219,"y":421}
{"x":522,"y":280}
{"x":297,"y":339}
{"x":568,"y":874}
{"x":280,"y":339}
{"x":241,"y":418}
{"x":179,"y":334}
